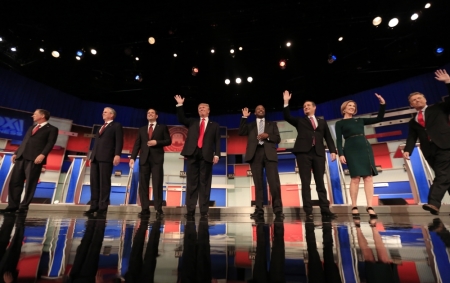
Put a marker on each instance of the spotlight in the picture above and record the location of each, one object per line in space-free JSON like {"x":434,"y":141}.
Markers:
{"x":227,"y":81}
{"x":175,"y":55}
{"x":249,"y":79}
{"x":93,"y":51}
{"x":80,"y":53}
{"x":288,"y":44}
{"x":212,"y":51}
{"x":231,"y":51}
{"x":393,"y":22}
{"x":138,"y":78}
{"x":13,"y":49}
{"x":195,"y":71}
{"x":340,"y":38}
{"x":282,"y":64}
{"x":238,"y":80}
{"x":331,"y":58}
{"x":1,"y":39}
{"x":137,"y":58}
{"x":41,"y":49}
{"x":428,"y":5}
{"x":151,"y":40}
{"x":55,"y":54}
{"x":414,"y":16}
{"x":377,"y":21}
{"x":240,"y":48}
{"x":78,"y":58}
{"x":439,"y":50}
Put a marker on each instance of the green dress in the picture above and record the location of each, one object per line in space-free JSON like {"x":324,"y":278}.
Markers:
{"x":357,"y":151}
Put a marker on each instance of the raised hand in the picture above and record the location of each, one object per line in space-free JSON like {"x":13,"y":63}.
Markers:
{"x":286,"y":96}
{"x":179,"y":99}
{"x":442,"y":76}
{"x":245,"y":112}
{"x":380,"y":98}
{"x":342,"y":159}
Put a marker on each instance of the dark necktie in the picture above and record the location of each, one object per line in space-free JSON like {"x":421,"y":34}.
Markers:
{"x":35,"y":129}
{"x":150,"y":132}
{"x":420,"y":119}
{"x":314,"y":127}
{"x":201,"y":134}
{"x":103,"y":128}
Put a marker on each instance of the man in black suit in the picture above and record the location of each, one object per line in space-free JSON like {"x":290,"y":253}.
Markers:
{"x":151,"y":141}
{"x":28,"y":161}
{"x":309,"y":151}
{"x":430,"y":125}
{"x":261,"y":152}
{"x":105,"y":155}
{"x":202,"y":150}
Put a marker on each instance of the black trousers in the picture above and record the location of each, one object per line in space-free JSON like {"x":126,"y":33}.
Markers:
{"x":155,"y":170}
{"x":198,"y":183}
{"x":10,"y":250}
{"x":306,"y":162}
{"x":439,"y":160}
{"x":257,"y":164}
{"x":100,"y":184}
{"x":23,"y":170}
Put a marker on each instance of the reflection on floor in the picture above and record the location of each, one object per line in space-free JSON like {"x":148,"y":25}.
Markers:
{"x":70,"y":248}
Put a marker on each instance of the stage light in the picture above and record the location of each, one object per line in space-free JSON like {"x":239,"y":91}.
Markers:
{"x":288,"y":44}
{"x":393,"y":22}
{"x":78,"y":58}
{"x":231,"y":51}
{"x":93,"y":51}
{"x":41,"y":49}
{"x":212,"y":51}
{"x":331,"y":58}
{"x":377,"y":21}
{"x":13,"y":49}
{"x":240,"y":48}
{"x":282,"y":64}
{"x":439,"y":50}
{"x":55,"y":54}
{"x":227,"y":81}
{"x":414,"y":16}
{"x":195,"y":71}
{"x":340,"y":38}
{"x":428,"y":5}
{"x":138,"y":78}
{"x":175,"y":55}
{"x":249,"y":79}
{"x":80,"y":53}
{"x":238,"y":80}
{"x":151,"y":40}
{"x":137,"y":58}
{"x":1,"y":39}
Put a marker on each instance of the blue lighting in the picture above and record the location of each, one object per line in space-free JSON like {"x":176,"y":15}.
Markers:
{"x":80,"y":53}
{"x":439,"y":50}
{"x":333,"y":57}
{"x":137,"y":77}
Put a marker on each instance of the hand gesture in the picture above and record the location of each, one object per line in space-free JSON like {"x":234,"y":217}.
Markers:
{"x":262,"y":136}
{"x":39,"y":159}
{"x":342,"y":159}
{"x":406,"y":155}
{"x":245,"y":112}
{"x":116,"y":160}
{"x":286,"y":96}
{"x":215,"y":160}
{"x":152,"y":143}
{"x":380,"y":98}
{"x":442,"y":76}
{"x":333,"y":157}
{"x":179,"y":99}
{"x":7,"y":277}
{"x":131,"y":163}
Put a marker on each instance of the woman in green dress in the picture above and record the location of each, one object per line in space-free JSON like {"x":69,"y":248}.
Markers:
{"x":357,"y":153}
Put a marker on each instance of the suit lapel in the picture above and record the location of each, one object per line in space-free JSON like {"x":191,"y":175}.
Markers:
{"x":309,"y":122}
{"x":105,"y":129}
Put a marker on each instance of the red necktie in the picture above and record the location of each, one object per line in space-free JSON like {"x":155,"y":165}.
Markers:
{"x":420,"y":119}
{"x":201,"y":134}
{"x":314,"y":127}
{"x":150,"y":132}
{"x":103,"y":128}
{"x":35,"y":129}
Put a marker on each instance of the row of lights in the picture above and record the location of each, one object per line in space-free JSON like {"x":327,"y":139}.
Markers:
{"x":394,"y":21}
{"x":238,"y":80}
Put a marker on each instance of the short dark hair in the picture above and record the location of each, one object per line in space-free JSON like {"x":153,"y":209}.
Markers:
{"x":44,"y":112}
{"x":312,"y":102}
{"x":156,"y":111}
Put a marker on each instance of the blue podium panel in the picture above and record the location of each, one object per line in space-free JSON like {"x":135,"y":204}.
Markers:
{"x":419,"y":174}
{"x":219,"y":195}
{"x":220,"y":168}
{"x":45,"y":190}
{"x":4,"y":169}
{"x":117,"y":196}
{"x":335,"y":179}
{"x":77,"y":168}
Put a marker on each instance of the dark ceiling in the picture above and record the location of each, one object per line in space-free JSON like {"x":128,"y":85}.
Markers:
{"x":367,"y":57}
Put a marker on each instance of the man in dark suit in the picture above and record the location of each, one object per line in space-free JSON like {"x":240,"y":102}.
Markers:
{"x":105,"y":155}
{"x":261,"y":152}
{"x":309,"y":151}
{"x":430,"y":125}
{"x":202,"y":150}
{"x":151,"y":141}
{"x":28,"y":161}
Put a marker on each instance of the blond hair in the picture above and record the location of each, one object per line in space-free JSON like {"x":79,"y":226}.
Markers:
{"x":344,"y":105}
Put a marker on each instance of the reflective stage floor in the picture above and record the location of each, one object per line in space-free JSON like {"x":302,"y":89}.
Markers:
{"x":52,"y":246}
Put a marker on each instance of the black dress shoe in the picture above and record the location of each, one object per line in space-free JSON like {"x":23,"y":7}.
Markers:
{"x":8,"y":210}
{"x":90,"y":211}
{"x":204,"y":214}
{"x":329,"y":214}
{"x":144,"y":213}
{"x":257,"y":214}
{"x":101,"y":212}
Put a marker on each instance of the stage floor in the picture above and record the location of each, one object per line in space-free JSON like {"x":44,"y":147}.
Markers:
{"x":55,"y":243}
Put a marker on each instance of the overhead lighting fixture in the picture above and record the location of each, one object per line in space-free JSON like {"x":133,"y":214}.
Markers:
{"x":288,"y":44}
{"x":340,"y":38}
{"x":151,"y":40}
{"x":93,"y":51}
{"x":136,"y":58}
{"x":428,"y":5}
{"x":282,"y":64}
{"x":80,"y":53}
{"x":238,"y":80}
{"x":227,"y":81}
{"x":78,"y":58}
{"x":232,"y":51}
{"x":331,"y":58}
{"x":377,"y":21}
{"x":195,"y":71}
{"x":240,"y":48}
{"x":41,"y":49}
{"x":138,"y":78}
{"x":13,"y":49}
{"x":439,"y":50}
{"x":175,"y":55}
{"x":1,"y":39}
{"x":212,"y":50}
{"x":414,"y":16}
{"x":55,"y":54}
{"x":249,"y":79}
{"x":393,"y":22}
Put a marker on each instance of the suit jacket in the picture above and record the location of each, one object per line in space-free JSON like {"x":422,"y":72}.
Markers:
{"x":41,"y":142}
{"x":155,"y":153}
{"x":109,"y":143}
{"x":436,"y":128}
{"x":306,"y":132}
{"x":251,"y":130}
{"x":211,"y":138}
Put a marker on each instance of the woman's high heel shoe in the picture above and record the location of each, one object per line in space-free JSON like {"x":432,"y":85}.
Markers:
{"x":372,"y":216}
